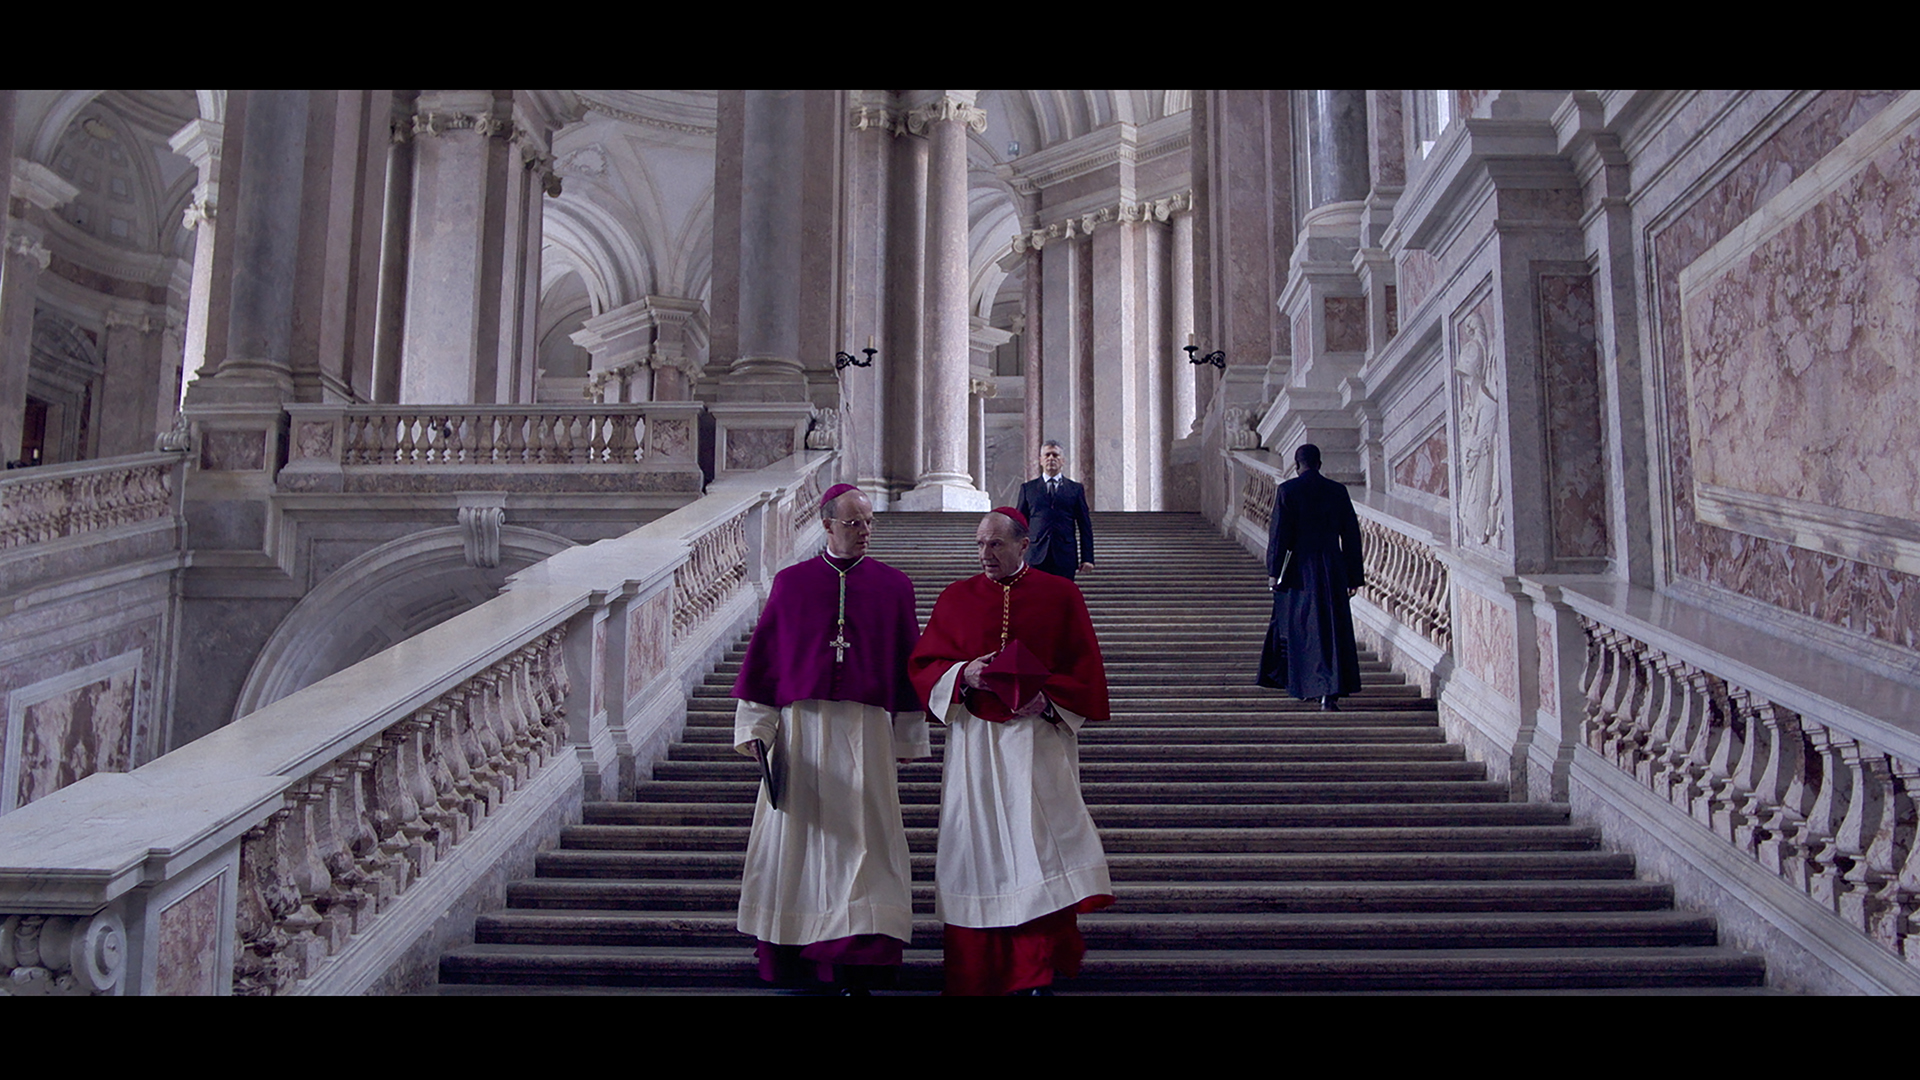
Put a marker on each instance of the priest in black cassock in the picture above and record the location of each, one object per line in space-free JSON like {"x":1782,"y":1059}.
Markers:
{"x":1314,"y":567}
{"x":827,"y":886}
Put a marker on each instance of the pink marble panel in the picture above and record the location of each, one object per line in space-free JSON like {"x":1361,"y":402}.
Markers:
{"x":649,"y":636}
{"x":190,"y":944}
{"x":1801,"y":365}
{"x":1549,"y":653}
{"x":670,"y":439}
{"x":233,"y":451}
{"x":314,"y":439}
{"x":1483,"y":633}
{"x":1465,"y":101}
{"x":1346,"y":323}
{"x":1417,"y":273}
{"x":751,"y":448}
{"x":1424,"y":468}
{"x":1392,"y":300}
{"x":1881,"y":603}
{"x":1570,"y":385}
{"x":70,"y":736}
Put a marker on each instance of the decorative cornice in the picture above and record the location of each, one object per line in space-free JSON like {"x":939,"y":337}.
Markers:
{"x":31,"y":248}
{"x":644,"y":120}
{"x":1124,"y":212}
{"x":947,"y":107}
{"x":482,"y":124}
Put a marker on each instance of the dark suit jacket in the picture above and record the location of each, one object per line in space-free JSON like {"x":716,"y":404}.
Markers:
{"x":1052,"y":522}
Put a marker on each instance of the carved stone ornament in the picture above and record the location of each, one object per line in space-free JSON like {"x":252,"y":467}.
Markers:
{"x":871,"y":117}
{"x":483,"y":124}
{"x":1237,"y":425}
{"x":176,"y":439}
{"x":480,"y":526}
{"x":199,"y":210}
{"x":62,"y":955}
{"x":824,"y":432}
{"x":947,"y":108}
{"x":31,"y":248}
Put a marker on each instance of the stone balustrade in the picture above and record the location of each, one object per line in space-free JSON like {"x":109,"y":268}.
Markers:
{"x":642,"y":446}
{"x":52,"y":502}
{"x":318,"y":844}
{"x":1825,"y":805}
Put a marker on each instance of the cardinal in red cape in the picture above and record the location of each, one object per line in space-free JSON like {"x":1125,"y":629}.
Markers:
{"x":1019,"y":856}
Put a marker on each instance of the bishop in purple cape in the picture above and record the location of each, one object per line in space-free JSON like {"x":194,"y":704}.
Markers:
{"x":827,"y":886}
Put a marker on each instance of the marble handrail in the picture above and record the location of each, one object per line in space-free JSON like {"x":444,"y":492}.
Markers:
{"x":318,"y":816}
{"x":399,"y":437}
{"x":51,"y":502}
{"x":1826,"y":802}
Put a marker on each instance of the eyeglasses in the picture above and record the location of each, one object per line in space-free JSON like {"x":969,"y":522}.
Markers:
{"x":853,"y":523}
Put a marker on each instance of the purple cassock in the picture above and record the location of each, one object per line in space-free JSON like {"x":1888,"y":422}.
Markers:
{"x":790,"y":657}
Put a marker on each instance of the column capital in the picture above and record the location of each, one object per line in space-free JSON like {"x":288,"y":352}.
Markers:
{"x":948,"y":106}
{"x":31,"y":247}
{"x":199,"y":142}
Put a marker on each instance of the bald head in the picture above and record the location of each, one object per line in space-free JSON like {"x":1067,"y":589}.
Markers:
{"x":844,"y":540}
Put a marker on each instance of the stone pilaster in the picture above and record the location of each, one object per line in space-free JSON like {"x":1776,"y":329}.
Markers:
{"x":201,"y":142}
{"x":650,"y":350}
{"x":944,"y":483}
{"x":904,"y":345}
{"x":981,"y":386}
{"x":23,"y":259}
{"x":865,"y":208}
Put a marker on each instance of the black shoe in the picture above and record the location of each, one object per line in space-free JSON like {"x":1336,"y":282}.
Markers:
{"x":854,"y":991}
{"x":1329,"y":704}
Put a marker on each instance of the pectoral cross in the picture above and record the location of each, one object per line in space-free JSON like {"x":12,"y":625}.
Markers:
{"x":840,"y":645}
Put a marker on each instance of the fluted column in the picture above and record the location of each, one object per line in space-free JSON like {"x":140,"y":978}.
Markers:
{"x":1186,"y":418}
{"x":944,"y":483}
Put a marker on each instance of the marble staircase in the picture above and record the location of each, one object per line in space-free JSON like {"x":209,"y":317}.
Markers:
{"x":1257,"y":844}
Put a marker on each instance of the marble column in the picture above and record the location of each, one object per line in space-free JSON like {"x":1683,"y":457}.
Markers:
{"x":984,"y":340}
{"x":465,"y":338}
{"x":200,"y":142}
{"x":139,"y":382}
{"x":1033,"y":303}
{"x":904,"y":348}
{"x":396,"y":229}
{"x":944,"y":483}
{"x":770,"y":243}
{"x":24,"y":258}
{"x":266,"y":233}
{"x":865,"y":201}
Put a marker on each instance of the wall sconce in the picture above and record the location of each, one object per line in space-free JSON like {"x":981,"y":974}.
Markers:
{"x":1217,"y":358}
{"x":841,"y":359}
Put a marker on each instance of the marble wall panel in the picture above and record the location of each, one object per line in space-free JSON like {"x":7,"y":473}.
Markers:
{"x":1801,"y":359}
{"x":1875,"y":601}
{"x":1392,"y":302}
{"x":1302,"y":339}
{"x":1424,"y":468}
{"x":1570,"y":388}
{"x":1483,"y":634}
{"x":670,"y":439}
{"x":1416,"y":275}
{"x":189,"y":953}
{"x":67,"y":728}
{"x":233,"y":451}
{"x":649,"y":637}
{"x":1549,"y":652}
{"x":313,"y":439}
{"x":1346,"y":323}
{"x":757,"y":448}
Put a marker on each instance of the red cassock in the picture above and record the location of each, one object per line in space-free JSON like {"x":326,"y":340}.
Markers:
{"x":1019,"y":854}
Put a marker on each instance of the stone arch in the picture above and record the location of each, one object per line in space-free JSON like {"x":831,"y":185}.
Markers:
{"x":381,"y":598}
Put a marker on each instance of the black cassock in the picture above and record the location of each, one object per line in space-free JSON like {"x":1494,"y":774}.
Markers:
{"x":1310,"y":651}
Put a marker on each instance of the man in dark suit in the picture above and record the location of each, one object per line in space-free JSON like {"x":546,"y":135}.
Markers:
{"x":1056,"y":507}
{"x":1314,"y":566}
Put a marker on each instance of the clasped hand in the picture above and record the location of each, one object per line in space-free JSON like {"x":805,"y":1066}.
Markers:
{"x":971,"y":676}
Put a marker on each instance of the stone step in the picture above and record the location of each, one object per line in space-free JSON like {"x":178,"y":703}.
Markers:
{"x":741,"y":792}
{"x":1108,"y":930}
{"x":1153,"y":815}
{"x":1173,"y":773}
{"x":1180,"y":897}
{"x":1300,"y":750}
{"x":1128,"y":868}
{"x":1122,"y":841}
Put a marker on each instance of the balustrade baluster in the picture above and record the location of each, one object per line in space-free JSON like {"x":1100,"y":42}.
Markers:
{"x":1820,"y":862}
{"x":1779,"y":804}
{"x":372,"y":864}
{"x":1866,"y":838}
{"x":393,"y":806}
{"x":453,"y":780}
{"x":308,"y":927}
{"x":351,"y":902}
{"x":1729,"y":798}
{"x":263,"y":964}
